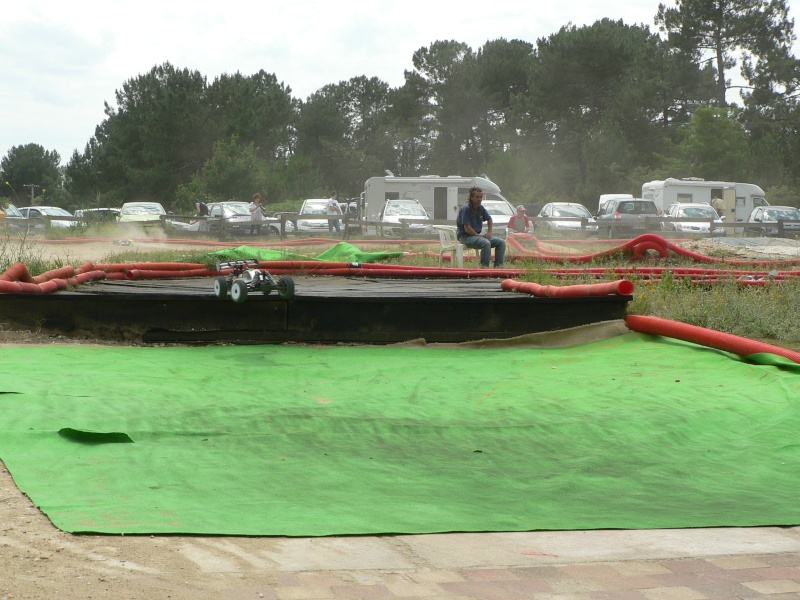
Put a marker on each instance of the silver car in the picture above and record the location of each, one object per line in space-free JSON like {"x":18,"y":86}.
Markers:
{"x":316,"y":207}
{"x":49,"y":214}
{"x":573,"y":214}
{"x":763,"y":220}
{"x":394,"y":211}
{"x":692,"y":210}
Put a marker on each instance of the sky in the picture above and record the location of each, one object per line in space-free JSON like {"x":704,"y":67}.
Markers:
{"x":60,"y":62}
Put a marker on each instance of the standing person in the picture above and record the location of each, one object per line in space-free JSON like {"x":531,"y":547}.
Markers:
{"x":520,"y":221}
{"x":200,"y":210}
{"x":718,"y":205}
{"x":256,"y":214}
{"x":333,"y":209}
{"x":470,"y":224}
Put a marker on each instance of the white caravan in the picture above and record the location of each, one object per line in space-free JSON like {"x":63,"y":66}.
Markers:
{"x":738,"y":199}
{"x":441,"y":197}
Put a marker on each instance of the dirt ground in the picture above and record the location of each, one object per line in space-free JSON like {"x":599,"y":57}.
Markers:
{"x":39,"y":561}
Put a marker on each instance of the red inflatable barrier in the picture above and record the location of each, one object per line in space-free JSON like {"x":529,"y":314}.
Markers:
{"x":623,"y":287}
{"x":706,"y":337}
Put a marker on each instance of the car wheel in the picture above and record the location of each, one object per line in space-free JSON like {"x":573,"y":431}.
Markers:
{"x":239,"y":291}
{"x":286,"y":288}
{"x":221,"y":287}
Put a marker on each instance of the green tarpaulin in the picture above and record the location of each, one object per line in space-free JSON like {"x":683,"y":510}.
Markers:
{"x":340,"y":252}
{"x":630,"y":432}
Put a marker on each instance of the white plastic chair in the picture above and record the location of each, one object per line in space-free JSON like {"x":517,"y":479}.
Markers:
{"x":448,"y":241}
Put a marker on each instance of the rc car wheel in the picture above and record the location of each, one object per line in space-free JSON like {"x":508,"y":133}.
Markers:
{"x":221,"y":287}
{"x":286,"y":288}
{"x":239,"y":291}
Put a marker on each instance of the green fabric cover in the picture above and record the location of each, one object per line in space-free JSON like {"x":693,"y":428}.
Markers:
{"x":340,"y":252}
{"x":631,"y":432}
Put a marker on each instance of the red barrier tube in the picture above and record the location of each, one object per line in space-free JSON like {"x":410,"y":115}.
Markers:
{"x":17,"y":272}
{"x":706,"y":337}
{"x":623,"y":287}
{"x":60,"y":273}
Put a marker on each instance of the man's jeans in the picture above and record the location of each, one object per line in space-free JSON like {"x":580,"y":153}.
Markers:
{"x":485,"y":246}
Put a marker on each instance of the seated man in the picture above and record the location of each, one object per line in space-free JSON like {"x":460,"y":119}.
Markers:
{"x":520,"y":222}
{"x":470,"y":224}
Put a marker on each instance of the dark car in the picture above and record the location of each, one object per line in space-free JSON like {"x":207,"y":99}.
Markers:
{"x":627,"y":216}
{"x":763,"y":221}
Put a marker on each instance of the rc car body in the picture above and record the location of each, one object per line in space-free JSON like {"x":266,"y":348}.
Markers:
{"x":245,"y":277}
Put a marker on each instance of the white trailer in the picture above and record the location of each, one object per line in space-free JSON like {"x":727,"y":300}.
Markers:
{"x":738,"y":199}
{"x":440,"y":196}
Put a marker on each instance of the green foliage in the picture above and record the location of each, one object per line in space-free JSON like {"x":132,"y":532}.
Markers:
{"x":715,"y":146}
{"x":234,"y":172}
{"x":256,"y":110}
{"x":784,"y":195}
{"x":29,"y":171}
{"x":728,"y":32}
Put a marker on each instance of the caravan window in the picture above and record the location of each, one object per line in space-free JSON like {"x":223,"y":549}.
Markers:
{"x":685,"y":199}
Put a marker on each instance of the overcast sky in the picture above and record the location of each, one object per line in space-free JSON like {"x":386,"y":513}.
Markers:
{"x":60,"y":61}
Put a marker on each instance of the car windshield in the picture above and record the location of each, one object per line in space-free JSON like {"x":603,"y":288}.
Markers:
{"x":571,"y":211}
{"x":782,"y":214}
{"x":405,"y":209}
{"x":12,"y":211}
{"x":142,"y":209}
{"x":238,"y":208}
{"x":700,"y":212}
{"x":315,"y":208}
{"x":54,"y":211}
{"x":498,"y":209}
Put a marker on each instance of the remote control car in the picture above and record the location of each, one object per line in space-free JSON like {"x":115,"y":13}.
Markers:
{"x":245,"y":276}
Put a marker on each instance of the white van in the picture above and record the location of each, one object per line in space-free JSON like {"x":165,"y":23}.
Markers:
{"x":606,"y":197}
{"x":441,"y":197}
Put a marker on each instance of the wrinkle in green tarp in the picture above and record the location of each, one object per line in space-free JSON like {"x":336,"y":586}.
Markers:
{"x":629,"y":432}
{"x":340,"y":252}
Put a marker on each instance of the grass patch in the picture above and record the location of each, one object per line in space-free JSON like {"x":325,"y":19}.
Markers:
{"x":14,"y":249}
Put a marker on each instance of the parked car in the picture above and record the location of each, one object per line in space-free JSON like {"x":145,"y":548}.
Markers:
{"x":291,"y":224}
{"x":501,"y":212}
{"x":317,"y":207}
{"x":14,"y":220}
{"x":626,"y":215}
{"x":568,"y":210}
{"x":689,"y":210}
{"x":763,"y":220}
{"x":404,"y":208}
{"x":48,"y":214}
{"x":233,"y":215}
{"x":144,"y":214}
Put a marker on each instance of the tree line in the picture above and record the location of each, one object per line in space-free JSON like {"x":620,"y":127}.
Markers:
{"x":587,"y":110}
